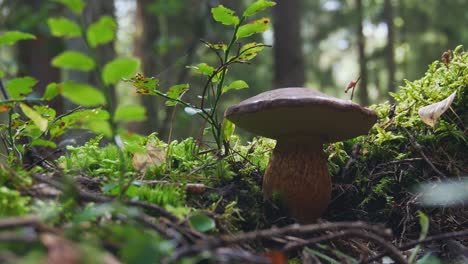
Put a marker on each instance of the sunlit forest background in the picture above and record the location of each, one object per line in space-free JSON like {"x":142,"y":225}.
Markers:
{"x":322,"y":44}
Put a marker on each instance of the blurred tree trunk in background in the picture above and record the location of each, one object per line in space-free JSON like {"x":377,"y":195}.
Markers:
{"x":362,"y":89}
{"x":288,"y":56}
{"x":170,"y":35}
{"x":390,"y":48}
{"x":145,"y":48}
{"x":34,"y":56}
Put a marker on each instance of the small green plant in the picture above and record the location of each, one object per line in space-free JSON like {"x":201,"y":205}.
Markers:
{"x":234,"y":52}
{"x":12,"y":203}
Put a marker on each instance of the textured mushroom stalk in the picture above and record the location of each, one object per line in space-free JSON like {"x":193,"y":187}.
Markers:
{"x":298,"y":174}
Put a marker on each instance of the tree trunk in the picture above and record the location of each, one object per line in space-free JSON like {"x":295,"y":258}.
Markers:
{"x":34,"y":57}
{"x":288,"y":57}
{"x":167,"y":63}
{"x":145,"y":49}
{"x":362,"y":89}
{"x":390,"y":48}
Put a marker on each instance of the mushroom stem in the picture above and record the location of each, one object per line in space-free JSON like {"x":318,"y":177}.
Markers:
{"x":298,"y":174}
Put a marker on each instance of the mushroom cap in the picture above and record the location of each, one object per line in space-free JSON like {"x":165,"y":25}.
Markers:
{"x":301,"y":112}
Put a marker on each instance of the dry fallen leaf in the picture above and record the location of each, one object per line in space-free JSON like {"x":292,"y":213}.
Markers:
{"x":60,"y":250}
{"x":153,"y":156}
{"x":431,"y":113}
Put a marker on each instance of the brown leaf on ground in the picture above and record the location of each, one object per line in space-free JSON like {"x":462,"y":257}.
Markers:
{"x":60,"y":250}
{"x":153,"y":156}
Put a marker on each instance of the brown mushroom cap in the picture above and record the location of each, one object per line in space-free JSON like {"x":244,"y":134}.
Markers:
{"x":287,"y":112}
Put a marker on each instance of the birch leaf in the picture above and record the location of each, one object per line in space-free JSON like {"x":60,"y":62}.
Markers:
{"x":430,"y":114}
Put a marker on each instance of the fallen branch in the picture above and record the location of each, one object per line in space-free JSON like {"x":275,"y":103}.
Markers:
{"x":389,"y":249}
{"x":421,"y":152}
{"x":211,"y":244}
{"x":13,"y":222}
{"x":409,"y":245}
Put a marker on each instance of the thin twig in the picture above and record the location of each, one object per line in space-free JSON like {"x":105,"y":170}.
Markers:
{"x":390,"y":249}
{"x":13,"y":222}
{"x":409,"y":245}
{"x":421,"y":152}
{"x":225,"y":240}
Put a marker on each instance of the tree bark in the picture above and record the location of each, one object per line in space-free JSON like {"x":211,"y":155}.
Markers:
{"x":34,"y":57}
{"x":390,"y":48}
{"x":288,"y":56}
{"x":145,"y":50}
{"x":362,"y":89}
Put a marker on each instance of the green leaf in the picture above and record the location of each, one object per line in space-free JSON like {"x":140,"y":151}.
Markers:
{"x":51,"y":91}
{"x":118,"y":69}
{"x":424,"y":222}
{"x":236,"y":85}
{"x":250,"y":50}
{"x":130,"y":113}
{"x":43,"y":143}
{"x":203,"y":68}
{"x":102,"y":31}
{"x":82,"y":94}
{"x":228,"y":129}
{"x":176,"y":92}
{"x":77,"y":119}
{"x":73,"y":60}
{"x":11,"y":37}
{"x":18,"y":88}
{"x":257,"y":26}
{"x":2,"y":74}
{"x":63,"y":27}
{"x":258,"y":6}
{"x":201,"y":222}
{"x":144,"y":85}
{"x":76,"y":6}
{"x":217,"y":46}
{"x":99,"y":127}
{"x":37,"y":119}
{"x":224,"y":15}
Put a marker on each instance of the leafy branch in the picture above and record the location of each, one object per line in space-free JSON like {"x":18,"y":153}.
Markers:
{"x":214,"y":86}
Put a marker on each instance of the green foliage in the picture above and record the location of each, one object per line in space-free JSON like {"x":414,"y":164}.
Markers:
{"x":37,"y":118}
{"x":201,"y":222}
{"x":63,"y":27}
{"x":82,"y":94}
{"x":225,"y":15}
{"x":254,"y":27}
{"x":12,"y":203}
{"x":162,"y":195}
{"x":19,"y":88}
{"x":129,"y":113}
{"x":258,"y":6}
{"x":76,"y":6}
{"x":73,"y":60}
{"x":236,"y":85}
{"x":11,"y":37}
{"x":102,"y":31}
{"x":215,"y":76}
{"x":118,"y":69}
{"x":94,"y":160}
{"x":382,"y":174}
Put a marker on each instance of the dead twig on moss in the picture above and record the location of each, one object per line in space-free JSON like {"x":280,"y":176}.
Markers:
{"x":211,"y":244}
{"x":421,"y":152}
{"x":409,"y":245}
{"x":13,"y":222}
{"x":389,"y":249}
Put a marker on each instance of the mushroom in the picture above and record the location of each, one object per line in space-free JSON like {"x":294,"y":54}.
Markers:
{"x":301,"y":120}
